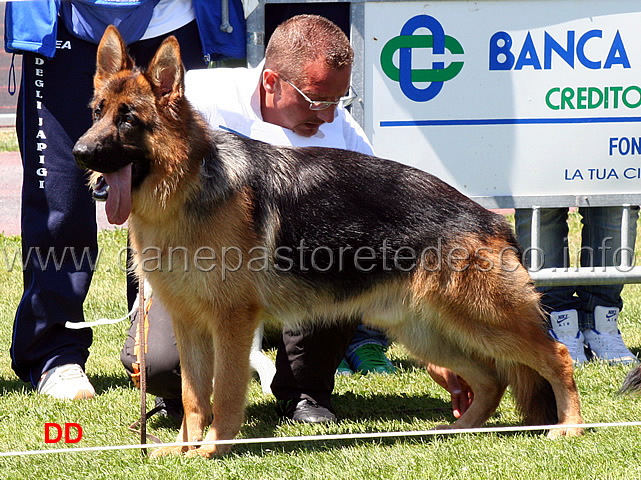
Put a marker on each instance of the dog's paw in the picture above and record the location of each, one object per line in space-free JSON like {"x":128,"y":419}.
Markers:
{"x":166,"y":451}
{"x":208,"y":451}
{"x":565,"y":432}
{"x":445,"y":426}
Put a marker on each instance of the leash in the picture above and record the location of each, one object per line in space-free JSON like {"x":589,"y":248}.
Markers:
{"x":139,"y":377}
{"x":142,"y":342}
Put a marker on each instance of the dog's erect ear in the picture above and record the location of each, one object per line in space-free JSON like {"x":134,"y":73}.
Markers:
{"x":166,"y":73}
{"x":112,"y":56}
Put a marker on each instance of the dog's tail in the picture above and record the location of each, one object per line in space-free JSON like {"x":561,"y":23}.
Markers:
{"x":632,"y":382}
{"x":533,"y":395}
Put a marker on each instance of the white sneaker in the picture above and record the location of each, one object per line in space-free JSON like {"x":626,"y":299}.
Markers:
{"x":565,"y":328}
{"x":605,"y":338}
{"x":66,"y":382}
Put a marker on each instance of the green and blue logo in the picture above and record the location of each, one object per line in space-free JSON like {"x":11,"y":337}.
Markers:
{"x":405,"y":43}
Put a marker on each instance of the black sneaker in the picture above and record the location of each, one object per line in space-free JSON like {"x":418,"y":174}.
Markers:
{"x":169,"y":407}
{"x":304,"y":411}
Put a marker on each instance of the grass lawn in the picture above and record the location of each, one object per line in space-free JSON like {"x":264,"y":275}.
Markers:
{"x":8,"y":140}
{"x":406,"y":401}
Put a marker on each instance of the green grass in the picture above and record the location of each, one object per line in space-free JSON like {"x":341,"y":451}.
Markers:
{"x":8,"y":140}
{"x":404,"y":402}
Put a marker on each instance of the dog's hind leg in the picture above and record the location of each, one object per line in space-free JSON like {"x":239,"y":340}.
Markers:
{"x":537,"y":368}
{"x":430,"y":346}
{"x":512,"y":330}
{"x":544,"y":379}
{"x":492,"y":309}
{"x":233,"y":335}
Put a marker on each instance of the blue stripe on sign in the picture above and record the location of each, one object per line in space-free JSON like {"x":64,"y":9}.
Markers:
{"x":506,"y":121}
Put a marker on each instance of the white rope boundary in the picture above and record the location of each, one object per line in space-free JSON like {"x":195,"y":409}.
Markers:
{"x":303,"y":438}
{"x":322,"y":438}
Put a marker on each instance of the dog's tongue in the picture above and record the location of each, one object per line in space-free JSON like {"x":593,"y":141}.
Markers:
{"x":119,"y":198}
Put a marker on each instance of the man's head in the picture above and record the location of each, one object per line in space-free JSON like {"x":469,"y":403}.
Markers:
{"x":307,"y":54}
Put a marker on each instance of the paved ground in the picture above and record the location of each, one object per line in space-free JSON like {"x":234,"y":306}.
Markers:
{"x":10,"y":188}
{"x":10,"y":185}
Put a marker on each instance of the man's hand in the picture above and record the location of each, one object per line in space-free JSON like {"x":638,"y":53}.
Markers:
{"x":462,"y":394}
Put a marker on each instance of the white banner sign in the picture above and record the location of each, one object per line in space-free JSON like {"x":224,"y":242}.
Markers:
{"x":508,"y":98}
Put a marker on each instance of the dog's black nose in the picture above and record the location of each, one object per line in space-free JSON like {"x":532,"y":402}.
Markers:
{"x":82,"y":154}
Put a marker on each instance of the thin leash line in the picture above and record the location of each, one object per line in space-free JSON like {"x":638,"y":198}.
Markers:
{"x":111,"y":321}
{"x":101,"y":321}
{"x":142,"y":355}
{"x":316,"y":438}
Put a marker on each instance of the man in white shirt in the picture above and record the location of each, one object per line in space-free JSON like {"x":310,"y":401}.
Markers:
{"x":264,"y":104}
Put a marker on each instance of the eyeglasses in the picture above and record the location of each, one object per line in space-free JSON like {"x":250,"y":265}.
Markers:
{"x":316,"y":105}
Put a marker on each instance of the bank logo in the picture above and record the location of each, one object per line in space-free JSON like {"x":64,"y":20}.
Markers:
{"x":405,"y":43}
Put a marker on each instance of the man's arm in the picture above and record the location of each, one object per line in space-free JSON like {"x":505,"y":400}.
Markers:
{"x":462,"y":394}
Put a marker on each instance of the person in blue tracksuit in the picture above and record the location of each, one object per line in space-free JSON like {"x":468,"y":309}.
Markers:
{"x":58,"y":42}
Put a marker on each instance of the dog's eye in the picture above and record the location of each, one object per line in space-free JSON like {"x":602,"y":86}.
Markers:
{"x":97,"y":112}
{"x":129,"y":119}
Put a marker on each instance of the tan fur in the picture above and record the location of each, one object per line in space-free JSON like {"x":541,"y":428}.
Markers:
{"x":476,"y":313}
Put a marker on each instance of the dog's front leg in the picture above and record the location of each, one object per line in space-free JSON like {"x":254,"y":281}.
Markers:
{"x":232,"y":340}
{"x":196,"y":349}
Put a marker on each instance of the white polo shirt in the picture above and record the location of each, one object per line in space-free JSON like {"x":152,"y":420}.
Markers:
{"x":229,"y":99}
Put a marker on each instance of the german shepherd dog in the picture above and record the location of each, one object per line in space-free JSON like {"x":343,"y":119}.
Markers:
{"x":312,"y":234}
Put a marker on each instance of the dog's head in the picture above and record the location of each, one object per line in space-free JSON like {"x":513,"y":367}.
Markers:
{"x":131,"y":111}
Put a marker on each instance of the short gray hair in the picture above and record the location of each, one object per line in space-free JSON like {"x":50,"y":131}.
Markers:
{"x":304,"y":39}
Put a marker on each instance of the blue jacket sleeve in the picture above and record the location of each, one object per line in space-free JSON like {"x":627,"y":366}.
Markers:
{"x":31,"y":26}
